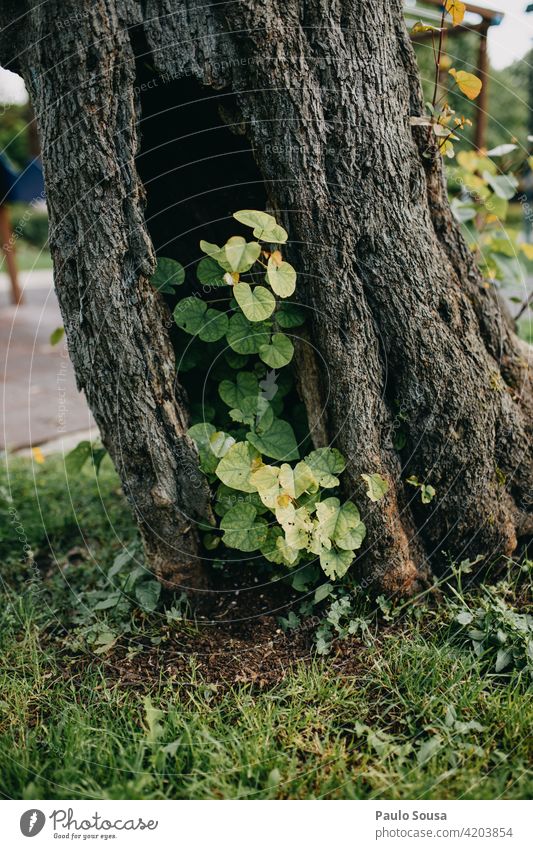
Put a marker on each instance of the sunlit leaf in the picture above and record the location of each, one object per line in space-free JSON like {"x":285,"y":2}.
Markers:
{"x":502,"y":150}
{"x":377,"y":486}
{"x":257,"y":304}
{"x":236,"y":466}
{"x":265,"y":226}
{"x":240,"y":254}
{"x":281,"y":277}
{"x":298,"y":480}
{"x":456,"y":9}
{"x":335,"y":564}
{"x":326,"y":464}
{"x":469,"y":84}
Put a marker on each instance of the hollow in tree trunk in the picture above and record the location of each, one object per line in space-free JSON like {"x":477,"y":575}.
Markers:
{"x":413,"y":362}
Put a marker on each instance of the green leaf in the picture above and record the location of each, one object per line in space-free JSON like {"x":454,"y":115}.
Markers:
{"x":377,"y":486}
{"x":289,"y":315}
{"x":235,"y":467}
{"x":503,"y":659}
{"x":326,"y":464}
{"x":210,"y":273}
{"x":279,"y":352}
{"x":201,"y":433}
{"x":226,"y":498}
{"x":335,"y":564}
{"x":57,"y":335}
{"x":340,"y":523}
{"x":277,"y":235}
{"x":245,"y":337}
{"x":76,"y":459}
{"x":241,"y":530}
{"x":322,"y":592}
{"x":147,"y":594}
{"x":278,"y":441}
{"x":253,"y":218}
{"x":220,"y":443}
{"x":216,"y":253}
{"x":240,"y":254}
{"x":193,"y":316}
{"x":264,"y":226}
{"x":168,"y":274}
{"x":266,"y":480}
{"x":234,"y":393}
{"x":256,"y":304}
{"x":282,"y":278}
{"x":255,"y":412}
{"x":298,"y":480}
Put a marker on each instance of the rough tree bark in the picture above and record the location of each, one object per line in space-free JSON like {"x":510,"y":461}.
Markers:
{"x":401,"y":319}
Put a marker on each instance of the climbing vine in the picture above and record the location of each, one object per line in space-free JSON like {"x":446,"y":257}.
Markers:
{"x":273,"y":494}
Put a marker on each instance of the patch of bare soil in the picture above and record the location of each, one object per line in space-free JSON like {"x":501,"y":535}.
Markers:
{"x":236,"y":639}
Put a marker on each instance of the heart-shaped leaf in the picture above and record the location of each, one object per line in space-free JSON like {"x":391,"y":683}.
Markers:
{"x":210,"y":273}
{"x":244,"y":336}
{"x":289,"y":315}
{"x":241,"y":530}
{"x":234,"y":393}
{"x":335,"y":564}
{"x":257,"y":304}
{"x":326,"y":464}
{"x":264,"y":226}
{"x":193,"y":316}
{"x":236,"y":466}
{"x":279,"y":352}
{"x":281,"y":277}
{"x":240,"y":255}
{"x":278,"y":441}
{"x":168,"y":274}
{"x":216,"y":253}
{"x":377,"y":486}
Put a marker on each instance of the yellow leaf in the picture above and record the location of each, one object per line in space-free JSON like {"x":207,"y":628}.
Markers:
{"x":420,"y":26}
{"x":469,"y":84}
{"x":38,"y":455}
{"x":456,"y":9}
{"x":527,"y":250}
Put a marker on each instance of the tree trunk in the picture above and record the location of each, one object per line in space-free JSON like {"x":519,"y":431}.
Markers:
{"x":404,"y":331}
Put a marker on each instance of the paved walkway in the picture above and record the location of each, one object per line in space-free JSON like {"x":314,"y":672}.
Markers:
{"x":40,"y":402}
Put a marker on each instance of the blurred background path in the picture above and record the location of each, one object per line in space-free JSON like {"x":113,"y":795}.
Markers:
{"x":41,"y":405}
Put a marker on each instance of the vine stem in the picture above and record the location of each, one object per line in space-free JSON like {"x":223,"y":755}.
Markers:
{"x":524,"y":307}
{"x":439,"y":55}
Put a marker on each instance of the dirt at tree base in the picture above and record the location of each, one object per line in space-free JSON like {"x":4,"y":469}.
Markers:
{"x":261,"y":655}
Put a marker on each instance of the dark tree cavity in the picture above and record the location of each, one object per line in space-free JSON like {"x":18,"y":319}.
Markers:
{"x":305,"y":107}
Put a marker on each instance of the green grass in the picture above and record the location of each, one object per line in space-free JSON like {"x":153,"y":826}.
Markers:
{"x":422,"y":717}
